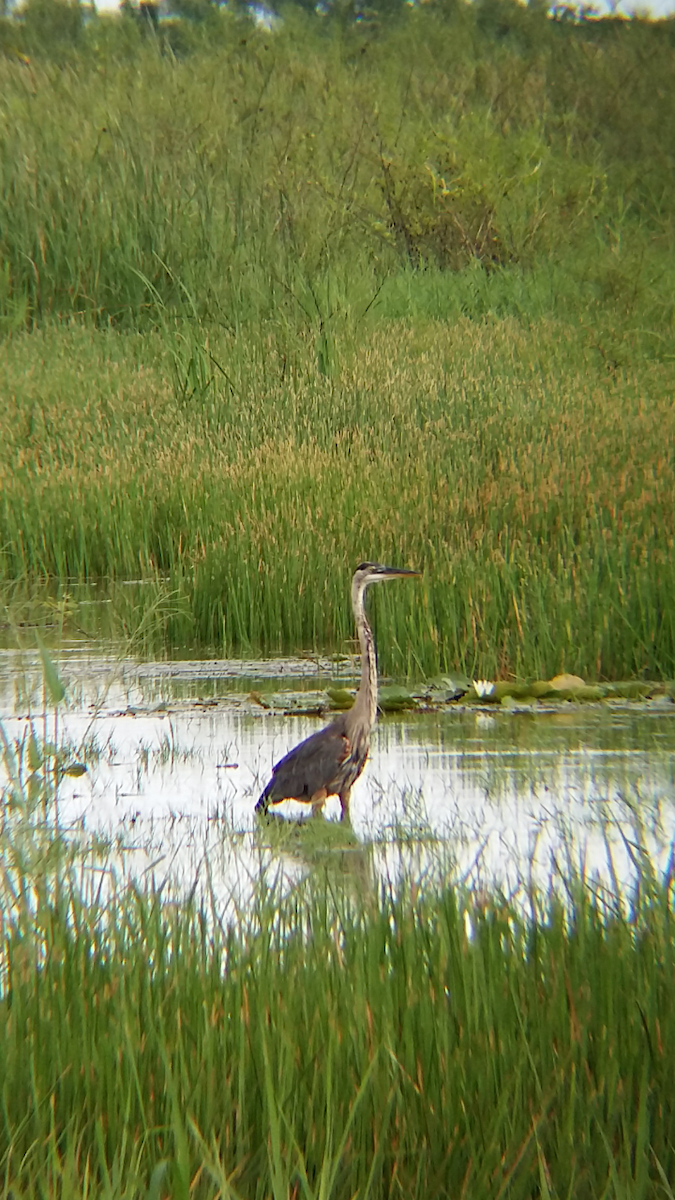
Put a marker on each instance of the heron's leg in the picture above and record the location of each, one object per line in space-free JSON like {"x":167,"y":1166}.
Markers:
{"x":344,"y":801}
{"x":318,"y":800}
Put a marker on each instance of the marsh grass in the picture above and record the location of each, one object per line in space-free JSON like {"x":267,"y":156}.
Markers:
{"x":276,"y":303}
{"x":532,"y":485}
{"x":246,"y":176}
{"x":422,"y":1043}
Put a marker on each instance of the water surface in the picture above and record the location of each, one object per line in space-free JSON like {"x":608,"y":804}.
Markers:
{"x":177,"y":754}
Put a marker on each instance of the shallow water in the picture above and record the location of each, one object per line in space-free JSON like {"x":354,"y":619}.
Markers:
{"x":177,"y":754}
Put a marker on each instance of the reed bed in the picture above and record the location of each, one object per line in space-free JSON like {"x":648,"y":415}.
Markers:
{"x":414,"y":1044}
{"x":276,"y":302}
{"x":532,"y":486}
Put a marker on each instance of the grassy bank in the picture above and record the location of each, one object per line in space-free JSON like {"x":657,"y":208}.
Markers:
{"x":326,"y":1049}
{"x":274,"y":303}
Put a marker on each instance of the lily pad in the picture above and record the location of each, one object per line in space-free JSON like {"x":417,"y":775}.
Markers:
{"x":340,"y":697}
{"x":585,"y":694}
{"x":567,"y":683}
{"x":395,"y":698}
{"x":633,"y":689}
{"x":541,"y":688}
{"x":515,"y":704}
{"x":443,"y":690}
{"x":296,"y":704}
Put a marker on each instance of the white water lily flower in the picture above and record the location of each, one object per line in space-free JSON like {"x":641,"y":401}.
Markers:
{"x":483,"y":687}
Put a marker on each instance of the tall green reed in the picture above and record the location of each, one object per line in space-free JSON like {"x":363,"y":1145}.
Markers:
{"x":493,"y":457}
{"x":262,"y":207}
{"x":270,"y":176}
{"x":426,"y":1043}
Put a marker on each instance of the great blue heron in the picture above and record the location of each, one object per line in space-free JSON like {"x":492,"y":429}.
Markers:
{"x":330,"y":761}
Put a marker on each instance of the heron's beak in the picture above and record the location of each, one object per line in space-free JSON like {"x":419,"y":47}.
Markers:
{"x":398,"y":573}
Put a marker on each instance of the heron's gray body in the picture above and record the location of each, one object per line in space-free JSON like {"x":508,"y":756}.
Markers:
{"x":326,"y":764}
{"x":330,"y":761}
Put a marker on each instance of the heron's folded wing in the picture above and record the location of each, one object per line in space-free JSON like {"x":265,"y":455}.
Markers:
{"x":312,"y":766}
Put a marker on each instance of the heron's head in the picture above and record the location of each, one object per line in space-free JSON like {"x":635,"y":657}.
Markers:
{"x":368,"y":572}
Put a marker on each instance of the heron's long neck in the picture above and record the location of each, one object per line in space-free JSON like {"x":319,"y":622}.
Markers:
{"x":366,"y":697}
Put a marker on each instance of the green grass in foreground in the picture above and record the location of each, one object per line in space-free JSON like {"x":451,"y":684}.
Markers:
{"x":532,"y":485}
{"x":323,"y":1048}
